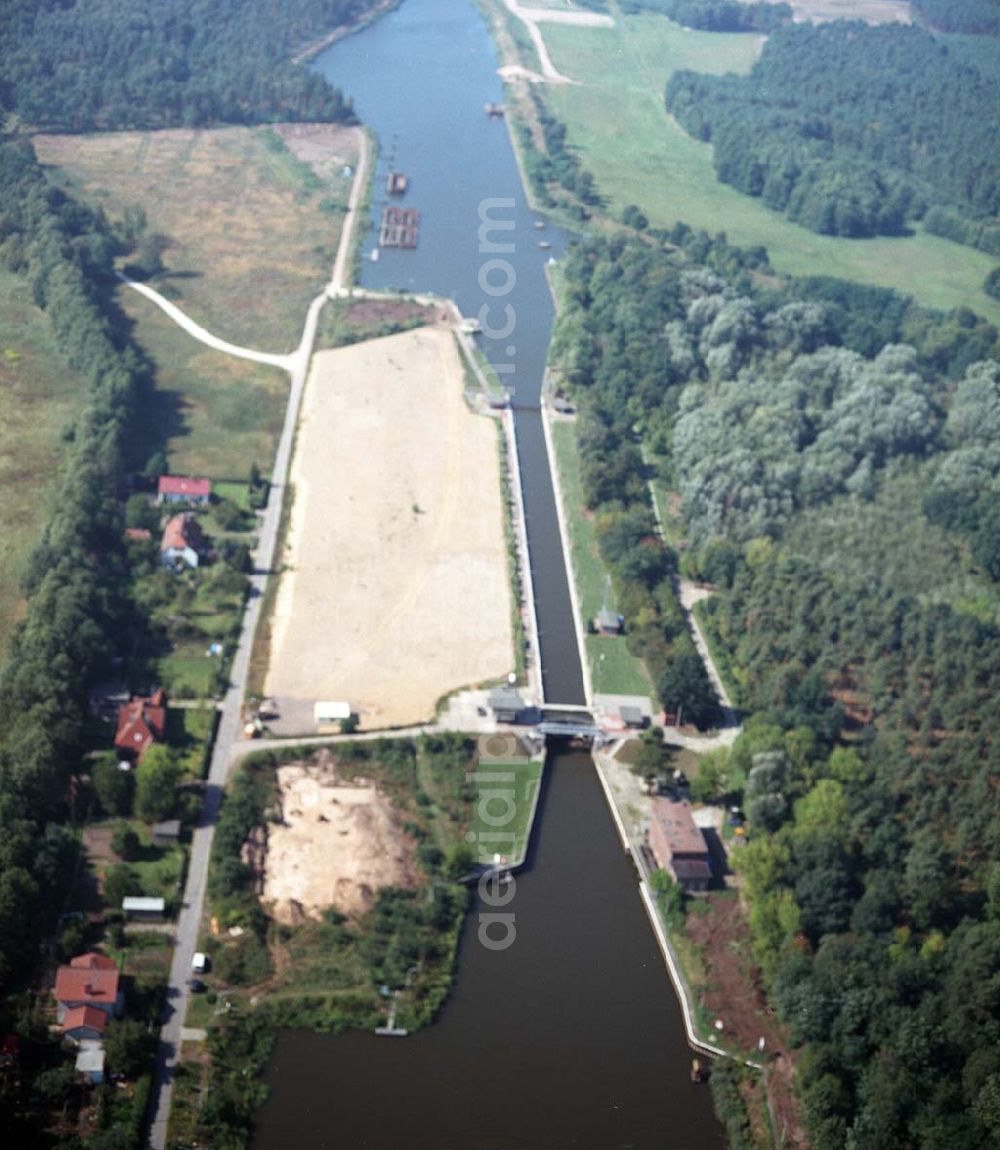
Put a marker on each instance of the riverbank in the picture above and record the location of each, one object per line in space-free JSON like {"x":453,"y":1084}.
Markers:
{"x":314,"y":48}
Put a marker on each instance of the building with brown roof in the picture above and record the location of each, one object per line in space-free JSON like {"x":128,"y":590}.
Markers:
{"x":183,"y":542}
{"x":141,"y":722}
{"x":89,"y":980}
{"x":82,"y":1023}
{"x":678,"y":845}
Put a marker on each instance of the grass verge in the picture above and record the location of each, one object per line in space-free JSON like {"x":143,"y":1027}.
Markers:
{"x":40,"y":396}
{"x":212,"y":414}
{"x":614,"y":670}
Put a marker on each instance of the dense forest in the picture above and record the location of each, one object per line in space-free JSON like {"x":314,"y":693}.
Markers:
{"x":856,"y":131}
{"x":717,"y":15}
{"x":90,"y":64}
{"x":819,"y":444}
{"x":979,"y":17}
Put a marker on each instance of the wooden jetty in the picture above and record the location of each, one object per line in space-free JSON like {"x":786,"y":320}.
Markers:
{"x":400,"y":228}
{"x":396,"y":184}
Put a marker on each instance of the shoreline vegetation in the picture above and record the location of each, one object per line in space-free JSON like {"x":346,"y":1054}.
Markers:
{"x":381,"y":8}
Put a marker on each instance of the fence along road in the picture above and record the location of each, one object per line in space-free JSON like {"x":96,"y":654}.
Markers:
{"x":230,"y":722}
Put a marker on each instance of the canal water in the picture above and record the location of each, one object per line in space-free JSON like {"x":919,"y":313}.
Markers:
{"x":571,"y":1036}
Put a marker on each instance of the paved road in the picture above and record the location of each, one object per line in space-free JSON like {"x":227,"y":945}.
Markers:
{"x":230,"y":724}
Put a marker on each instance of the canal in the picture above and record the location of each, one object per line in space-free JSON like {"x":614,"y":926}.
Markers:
{"x":571,"y":1036}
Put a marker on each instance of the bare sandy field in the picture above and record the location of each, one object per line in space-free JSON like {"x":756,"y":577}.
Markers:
{"x":326,"y":148}
{"x":871,"y":11}
{"x":396,"y":588}
{"x":336,"y":845}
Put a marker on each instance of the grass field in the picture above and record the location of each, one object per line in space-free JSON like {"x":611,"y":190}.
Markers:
{"x":522,"y":791}
{"x":251,"y":229}
{"x":39,"y":395}
{"x":212,"y":414}
{"x":656,"y":165}
{"x":614,"y":671}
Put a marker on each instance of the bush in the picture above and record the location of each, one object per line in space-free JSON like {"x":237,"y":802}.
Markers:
{"x":725,"y":1080}
{"x":113,"y":786}
{"x":125,"y":843}
{"x":119,"y":882}
{"x":139,"y":512}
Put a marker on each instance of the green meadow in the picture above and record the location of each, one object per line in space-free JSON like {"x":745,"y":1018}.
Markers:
{"x":613,"y":669}
{"x":212,"y":414}
{"x":617,"y":122}
{"x":39,"y":395}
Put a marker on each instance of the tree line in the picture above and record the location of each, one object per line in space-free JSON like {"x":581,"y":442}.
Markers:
{"x":820,"y":446}
{"x":716,"y":15}
{"x":978,"y":17}
{"x":124,"y":64}
{"x":854,"y":130}
{"x":74,"y":578}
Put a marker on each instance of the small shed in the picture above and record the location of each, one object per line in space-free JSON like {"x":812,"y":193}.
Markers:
{"x":507,"y":705}
{"x":144,"y":909}
{"x":165,"y":834}
{"x":326,"y":712}
{"x":609,"y":623}
{"x":632,"y":717}
{"x":90,"y":1062}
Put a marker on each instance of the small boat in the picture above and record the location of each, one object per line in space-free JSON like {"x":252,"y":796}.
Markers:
{"x":374,"y":255}
{"x":539,"y":225}
{"x":396,"y":184}
{"x":544,"y":244}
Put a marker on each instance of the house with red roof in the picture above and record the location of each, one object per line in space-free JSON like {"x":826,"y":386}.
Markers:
{"x":90,"y":980}
{"x":141,"y":722}
{"x":183,"y":542}
{"x":183,"y":489}
{"x":84,"y":1023}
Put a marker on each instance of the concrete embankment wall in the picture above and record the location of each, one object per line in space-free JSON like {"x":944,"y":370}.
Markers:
{"x":659,"y":930}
